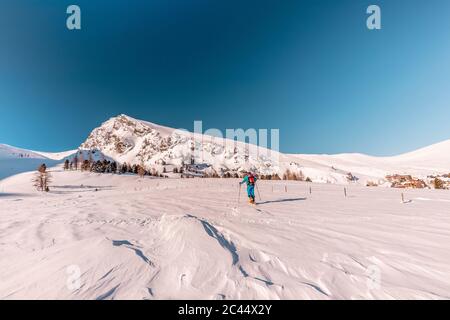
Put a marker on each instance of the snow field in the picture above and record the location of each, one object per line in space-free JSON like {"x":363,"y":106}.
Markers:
{"x":100,"y":236}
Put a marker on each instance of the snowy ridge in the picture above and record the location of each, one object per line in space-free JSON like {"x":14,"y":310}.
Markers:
{"x":126,"y":139}
{"x":10,"y":152}
{"x":56,"y":155}
{"x":15,"y":160}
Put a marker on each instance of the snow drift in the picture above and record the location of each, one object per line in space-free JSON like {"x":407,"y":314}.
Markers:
{"x":105,"y":236}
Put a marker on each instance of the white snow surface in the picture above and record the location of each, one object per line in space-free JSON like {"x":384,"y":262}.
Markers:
{"x":143,"y":238}
{"x":8,"y":152}
{"x":15,"y":160}
{"x":56,"y":155}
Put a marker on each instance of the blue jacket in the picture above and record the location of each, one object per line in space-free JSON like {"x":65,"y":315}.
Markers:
{"x":245,"y":180}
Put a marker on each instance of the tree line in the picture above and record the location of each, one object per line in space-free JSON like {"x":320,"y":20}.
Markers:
{"x":107,"y":166}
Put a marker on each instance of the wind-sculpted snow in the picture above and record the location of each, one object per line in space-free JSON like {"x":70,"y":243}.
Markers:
{"x":102,"y":236}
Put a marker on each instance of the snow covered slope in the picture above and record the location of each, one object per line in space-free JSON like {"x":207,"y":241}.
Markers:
{"x":15,"y":160}
{"x":125,"y":139}
{"x":435,"y":156}
{"x":432,"y":160}
{"x":134,"y":141}
{"x":133,"y":238}
{"x":56,"y":155}
{"x":10,"y":152}
{"x":148,"y":238}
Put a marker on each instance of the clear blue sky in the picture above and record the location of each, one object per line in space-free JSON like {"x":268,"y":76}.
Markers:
{"x":310,"y":68}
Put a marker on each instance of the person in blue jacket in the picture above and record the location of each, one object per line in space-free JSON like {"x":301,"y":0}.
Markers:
{"x":250,"y":180}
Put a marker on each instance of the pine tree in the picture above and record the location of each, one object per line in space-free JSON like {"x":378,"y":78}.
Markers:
{"x":113,"y":167}
{"x":141,"y":171}
{"x":85,"y":166}
{"x":105,"y":165}
{"x":91,"y":158}
{"x":438,"y":183}
{"x":75,"y":162}
{"x":66,"y":164}
{"x":42,"y":168}
{"x":42,"y":179}
{"x":81,"y":158}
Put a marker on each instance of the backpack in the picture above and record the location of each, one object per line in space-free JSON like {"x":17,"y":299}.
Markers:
{"x":251,"y":179}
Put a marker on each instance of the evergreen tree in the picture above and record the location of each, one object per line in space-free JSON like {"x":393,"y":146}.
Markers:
{"x":85,"y":166}
{"x":91,"y":158}
{"x":81,"y":158}
{"x":42,"y":179}
{"x":141,"y":171}
{"x":438,"y":183}
{"x":113,"y":167}
{"x":66,"y":164}
{"x":75,"y":162}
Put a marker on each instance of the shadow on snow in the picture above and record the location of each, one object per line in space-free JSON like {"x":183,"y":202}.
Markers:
{"x":281,"y":200}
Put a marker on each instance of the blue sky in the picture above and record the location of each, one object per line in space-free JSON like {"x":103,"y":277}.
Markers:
{"x":310,"y":68}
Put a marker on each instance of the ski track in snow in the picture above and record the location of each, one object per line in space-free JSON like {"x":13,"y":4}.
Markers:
{"x":190,"y":239}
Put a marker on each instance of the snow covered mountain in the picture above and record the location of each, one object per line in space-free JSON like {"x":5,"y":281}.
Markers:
{"x":133,"y":141}
{"x":14,"y":160}
{"x":10,"y":152}
{"x":128,"y":140}
{"x":125,"y":139}
{"x":146,"y":238}
{"x":428,"y":161}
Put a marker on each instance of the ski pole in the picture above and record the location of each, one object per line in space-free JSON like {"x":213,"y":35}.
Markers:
{"x":239,"y":194}
{"x":257,"y":189}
